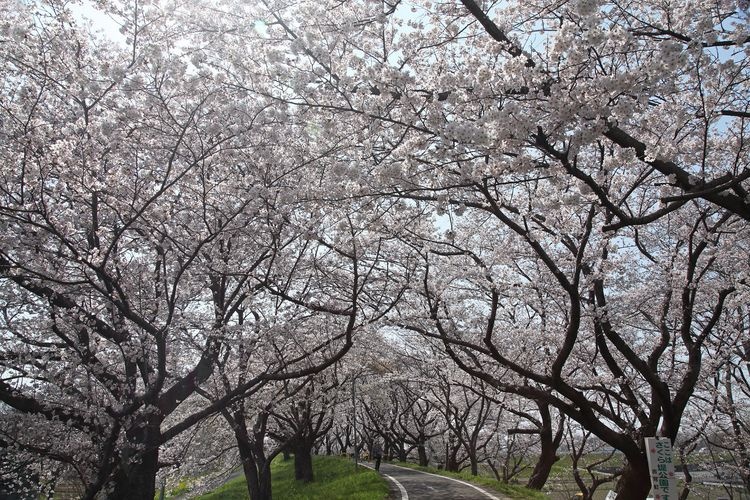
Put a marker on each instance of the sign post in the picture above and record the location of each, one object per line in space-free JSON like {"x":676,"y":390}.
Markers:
{"x":661,"y":468}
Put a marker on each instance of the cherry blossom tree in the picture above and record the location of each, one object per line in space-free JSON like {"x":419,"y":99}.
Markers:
{"x":471,"y":422}
{"x":596,"y":347}
{"x":721,"y":416}
{"x":305,"y":419}
{"x":575,"y":136}
{"x":419,"y":420}
{"x":527,"y":87}
{"x":572,"y":175}
{"x":106,"y":268}
{"x":541,"y":423}
{"x":143,"y":211}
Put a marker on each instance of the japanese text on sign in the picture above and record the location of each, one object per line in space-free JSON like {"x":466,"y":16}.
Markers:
{"x":661,"y":468}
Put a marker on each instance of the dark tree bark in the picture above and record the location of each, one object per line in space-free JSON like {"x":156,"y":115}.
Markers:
{"x":303,"y":468}
{"x":474,"y":464}
{"x":249,"y":467}
{"x":549,"y":443}
{"x":422,"y":454}
{"x":400,"y":451}
{"x":304,"y":422}
{"x":135,"y":477}
{"x":264,"y":482}
{"x":451,"y":461}
{"x":417,"y":420}
{"x":255,"y":464}
{"x":135,"y":480}
{"x":635,"y":482}
{"x":328,"y":445}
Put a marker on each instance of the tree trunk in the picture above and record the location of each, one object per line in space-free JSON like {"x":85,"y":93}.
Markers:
{"x":135,"y":480}
{"x":329,"y":445}
{"x":303,"y":470}
{"x":549,"y":444}
{"x":255,"y":464}
{"x":264,"y":482}
{"x":451,"y":463}
{"x":135,"y":477}
{"x":422,"y":453}
{"x":474,"y":465}
{"x":635,"y":482}
{"x":250,"y":468}
{"x":547,"y":458}
{"x":401,"y":452}
{"x":251,"y":478}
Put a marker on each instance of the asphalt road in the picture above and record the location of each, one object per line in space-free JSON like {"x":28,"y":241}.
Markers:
{"x":410,"y":484}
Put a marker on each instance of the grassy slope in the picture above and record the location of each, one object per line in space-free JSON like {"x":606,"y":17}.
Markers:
{"x":509,"y":490}
{"x":334,"y":479}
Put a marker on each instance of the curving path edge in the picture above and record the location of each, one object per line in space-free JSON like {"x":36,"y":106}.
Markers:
{"x":414,"y":484}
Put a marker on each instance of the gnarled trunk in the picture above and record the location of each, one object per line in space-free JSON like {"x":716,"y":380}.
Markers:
{"x":635,"y":482}
{"x":543,"y":467}
{"x":549,"y":445}
{"x":135,"y":476}
{"x":257,"y":473}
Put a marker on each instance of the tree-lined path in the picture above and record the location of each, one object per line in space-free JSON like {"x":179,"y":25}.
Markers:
{"x":503,"y":236}
{"x":411,"y":484}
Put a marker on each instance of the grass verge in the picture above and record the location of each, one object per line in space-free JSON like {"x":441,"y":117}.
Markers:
{"x":509,"y":490}
{"x":335,"y":479}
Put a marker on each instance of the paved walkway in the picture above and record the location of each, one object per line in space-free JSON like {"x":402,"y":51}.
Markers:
{"x":411,"y":484}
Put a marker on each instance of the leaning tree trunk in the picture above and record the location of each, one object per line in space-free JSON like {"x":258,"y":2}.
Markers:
{"x":635,"y":482}
{"x":542,"y":469}
{"x":303,"y":469}
{"x":549,"y":444}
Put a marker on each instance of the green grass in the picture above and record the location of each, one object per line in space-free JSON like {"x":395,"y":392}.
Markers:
{"x":509,"y":490}
{"x":182,"y":487}
{"x":561,"y":485}
{"x":335,"y":479}
{"x":236,"y":489}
